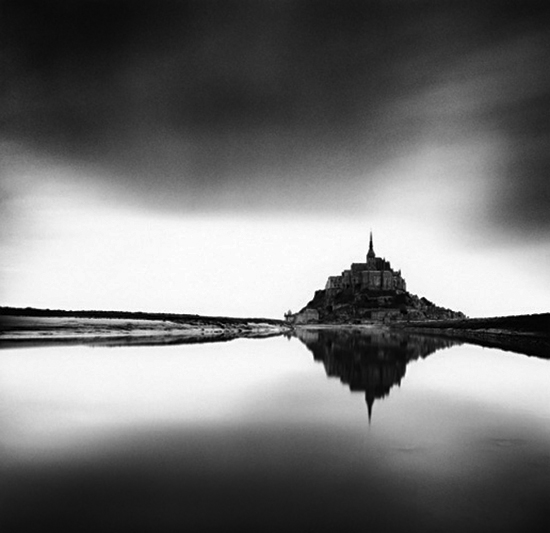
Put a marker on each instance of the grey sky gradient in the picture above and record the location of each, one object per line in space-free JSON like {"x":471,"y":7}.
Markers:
{"x":280,"y":105}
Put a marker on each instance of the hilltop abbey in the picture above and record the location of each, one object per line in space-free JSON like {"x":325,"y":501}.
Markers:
{"x":374,"y":275}
{"x":369,"y":292}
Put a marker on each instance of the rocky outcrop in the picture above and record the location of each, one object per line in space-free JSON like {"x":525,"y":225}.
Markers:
{"x":369,"y":306}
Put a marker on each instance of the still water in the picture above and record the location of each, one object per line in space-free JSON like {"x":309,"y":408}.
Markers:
{"x":331,"y":431}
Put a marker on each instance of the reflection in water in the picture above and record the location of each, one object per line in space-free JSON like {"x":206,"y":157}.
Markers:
{"x":372,"y":361}
{"x":250,"y":435}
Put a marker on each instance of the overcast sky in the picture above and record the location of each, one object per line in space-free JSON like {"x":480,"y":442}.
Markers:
{"x":225,"y":157}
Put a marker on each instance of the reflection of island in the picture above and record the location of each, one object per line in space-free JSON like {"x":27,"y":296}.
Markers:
{"x":367,"y":360}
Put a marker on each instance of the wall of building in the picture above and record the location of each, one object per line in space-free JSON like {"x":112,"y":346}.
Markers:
{"x":334,"y":282}
{"x":307,"y":316}
{"x":375,"y":274}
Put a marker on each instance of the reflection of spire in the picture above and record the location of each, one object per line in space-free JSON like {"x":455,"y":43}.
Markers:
{"x":370,"y":402}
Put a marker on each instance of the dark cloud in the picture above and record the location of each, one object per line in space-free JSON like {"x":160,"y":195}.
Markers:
{"x":271,"y":103}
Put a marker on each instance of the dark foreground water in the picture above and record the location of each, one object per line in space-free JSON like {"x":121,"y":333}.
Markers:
{"x":274,"y":435}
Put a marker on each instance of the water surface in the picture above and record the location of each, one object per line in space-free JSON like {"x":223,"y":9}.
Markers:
{"x":347,"y":431}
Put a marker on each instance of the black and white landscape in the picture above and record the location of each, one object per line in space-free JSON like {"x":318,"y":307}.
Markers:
{"x":197,"y":332}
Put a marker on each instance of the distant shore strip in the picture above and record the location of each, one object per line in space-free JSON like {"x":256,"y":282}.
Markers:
{"x":39,"y":327}
{"x":527,"y":334}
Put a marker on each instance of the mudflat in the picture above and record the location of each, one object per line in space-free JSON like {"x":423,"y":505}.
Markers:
{"x":25,"y":327}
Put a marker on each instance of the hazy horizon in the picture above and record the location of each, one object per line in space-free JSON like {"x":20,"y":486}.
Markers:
{"x":225,"y":158}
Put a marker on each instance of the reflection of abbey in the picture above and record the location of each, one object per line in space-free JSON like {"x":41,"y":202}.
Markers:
{"x":369,"y":361}
{"x":374,"y":275}
{"x":369,"y":292}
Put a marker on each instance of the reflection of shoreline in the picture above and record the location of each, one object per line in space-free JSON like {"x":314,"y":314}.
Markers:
{"x":144,"y":340}
{"x":525,"y":334}
{"x":368,"y":359}
{"x":509,"y":341}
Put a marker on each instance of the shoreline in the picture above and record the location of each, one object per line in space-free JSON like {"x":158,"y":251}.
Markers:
{"x":34,"y":328}
{"x":525,"y":334}
{"x":531,"y":344}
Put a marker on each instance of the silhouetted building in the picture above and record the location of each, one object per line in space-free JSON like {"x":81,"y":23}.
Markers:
{"x":375,"y":274}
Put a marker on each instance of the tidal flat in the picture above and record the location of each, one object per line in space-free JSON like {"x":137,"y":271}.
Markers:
{"x":21,"y":327}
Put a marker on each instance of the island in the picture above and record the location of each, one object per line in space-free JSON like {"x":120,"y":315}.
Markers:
{"x":368,"y":292}
{"x":373,"y":294}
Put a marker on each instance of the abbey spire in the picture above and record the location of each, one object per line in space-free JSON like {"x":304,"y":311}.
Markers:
{"x":371,"y":256}
{"x":371,"y":248}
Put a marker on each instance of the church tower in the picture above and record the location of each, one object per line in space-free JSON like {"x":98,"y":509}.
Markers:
{"x":371,"y":256}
